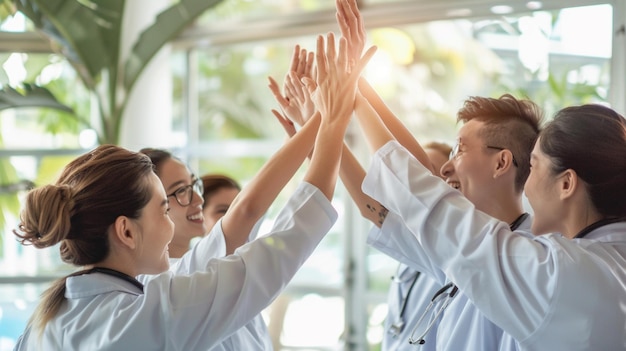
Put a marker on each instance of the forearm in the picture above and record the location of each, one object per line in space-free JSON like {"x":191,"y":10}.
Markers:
{"x":352,"y":175}
{"x":393,"y":124}
{"x":256,"y":197}
{"x":324,"y":165}
{"x":375,"y":131}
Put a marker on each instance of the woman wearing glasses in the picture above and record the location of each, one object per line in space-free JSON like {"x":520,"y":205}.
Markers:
{"x":185,"y":193}
{"x":188,"y":216}
{"x":109,"y":211}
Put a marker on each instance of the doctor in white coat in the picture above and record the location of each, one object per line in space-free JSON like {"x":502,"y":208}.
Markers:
{"x":550,"y":292}
{"x":109,"y":211}
{"x":186,"y":211}
{"x":489,"y":166}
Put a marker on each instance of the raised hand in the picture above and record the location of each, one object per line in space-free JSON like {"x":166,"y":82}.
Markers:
{"x":301,"y":62}
{"x":352,"y":27}
{"x":334,"y":88}
{"x":296,"y":104}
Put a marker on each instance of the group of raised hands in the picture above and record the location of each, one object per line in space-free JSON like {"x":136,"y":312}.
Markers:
{"x":324,"y":84}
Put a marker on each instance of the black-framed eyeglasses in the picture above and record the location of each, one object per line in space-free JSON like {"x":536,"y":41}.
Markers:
{"x":455,"y":152}
{"x":442,"y":299}
{"x":184,"y":194}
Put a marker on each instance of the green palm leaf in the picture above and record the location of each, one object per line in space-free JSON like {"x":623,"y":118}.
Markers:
{"x":30,"y":96}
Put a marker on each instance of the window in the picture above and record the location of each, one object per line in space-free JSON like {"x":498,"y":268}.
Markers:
{"x":431,"y":57}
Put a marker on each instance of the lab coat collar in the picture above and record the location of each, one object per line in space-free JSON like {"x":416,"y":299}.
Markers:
{"x":614,"y":232}
{"x":88,"y":285}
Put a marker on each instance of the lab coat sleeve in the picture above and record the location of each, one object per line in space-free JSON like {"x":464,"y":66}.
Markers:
{"x":395,"y":240}
{"x":213,"y":245}
{"x":510,"y":278}
{"x":199,"y":310}
{"x":254,"y":233}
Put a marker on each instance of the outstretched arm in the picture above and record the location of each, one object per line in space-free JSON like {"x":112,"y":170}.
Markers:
{"x":332,"y":82}
{"x":296,"y":105}
{"x":258,"y":195}
{"x":352,"y":28}
{"x":333,"y":92}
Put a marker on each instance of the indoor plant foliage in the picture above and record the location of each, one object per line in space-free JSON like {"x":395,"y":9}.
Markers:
{"x":88,"y":34}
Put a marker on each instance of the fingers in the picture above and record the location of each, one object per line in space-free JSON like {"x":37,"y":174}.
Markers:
{"x":352,"y":10}
{"x":302,"y":63}
{"x":331,"y":52}
{"x":282,"y":119}
{"x":320,"y":59}
{"x":308,"y":70}
{"x":341,"y":19}
{"x":343,"y":60}
{"x":310,"y":84}
{"x":287,"y":124}
{"x":363,"y":61}
{"x":295,"y":58}
{"x":290,"y":90}
{"x":275,"y":89}
{"x":296,"y":86}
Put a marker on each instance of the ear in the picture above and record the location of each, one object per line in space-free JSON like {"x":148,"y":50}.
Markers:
{"x":126,"y":232}
{"x":504,"y":163}
{"x":567,"y":184}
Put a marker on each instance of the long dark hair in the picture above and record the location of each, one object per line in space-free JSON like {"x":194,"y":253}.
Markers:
{"x":591,"y":140}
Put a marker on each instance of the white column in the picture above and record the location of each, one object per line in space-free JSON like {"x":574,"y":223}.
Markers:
{"x":617,"y":89}
{"x":147,"y":120}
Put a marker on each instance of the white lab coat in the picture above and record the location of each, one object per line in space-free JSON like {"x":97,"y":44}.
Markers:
{"x":547,"y":292}
{"x":450,"y":331}
{"x":252,"y":336}
{"x":188,"y":312}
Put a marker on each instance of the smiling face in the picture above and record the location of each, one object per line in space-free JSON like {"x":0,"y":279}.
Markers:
{"x":188,"y":219}
{"x":156,"y":231}
{"x":542,"y":192}
{"x":471,"y":168}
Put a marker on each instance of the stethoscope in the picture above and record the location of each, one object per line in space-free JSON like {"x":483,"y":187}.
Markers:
{"x":443,"y":295}
{"x":396,"y":328}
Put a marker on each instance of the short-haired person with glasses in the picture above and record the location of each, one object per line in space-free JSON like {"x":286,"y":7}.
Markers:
{"x":488,"y":164}
{"x":484,"y":166}
{"x":487,"y":172}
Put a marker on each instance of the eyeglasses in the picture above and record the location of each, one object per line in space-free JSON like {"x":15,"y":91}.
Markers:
{"x":441,"y":297}
{"x":184,"y":194}
{"x":455,"y":152}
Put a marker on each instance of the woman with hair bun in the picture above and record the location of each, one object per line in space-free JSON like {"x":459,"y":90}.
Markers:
{"x":109,"y":211}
